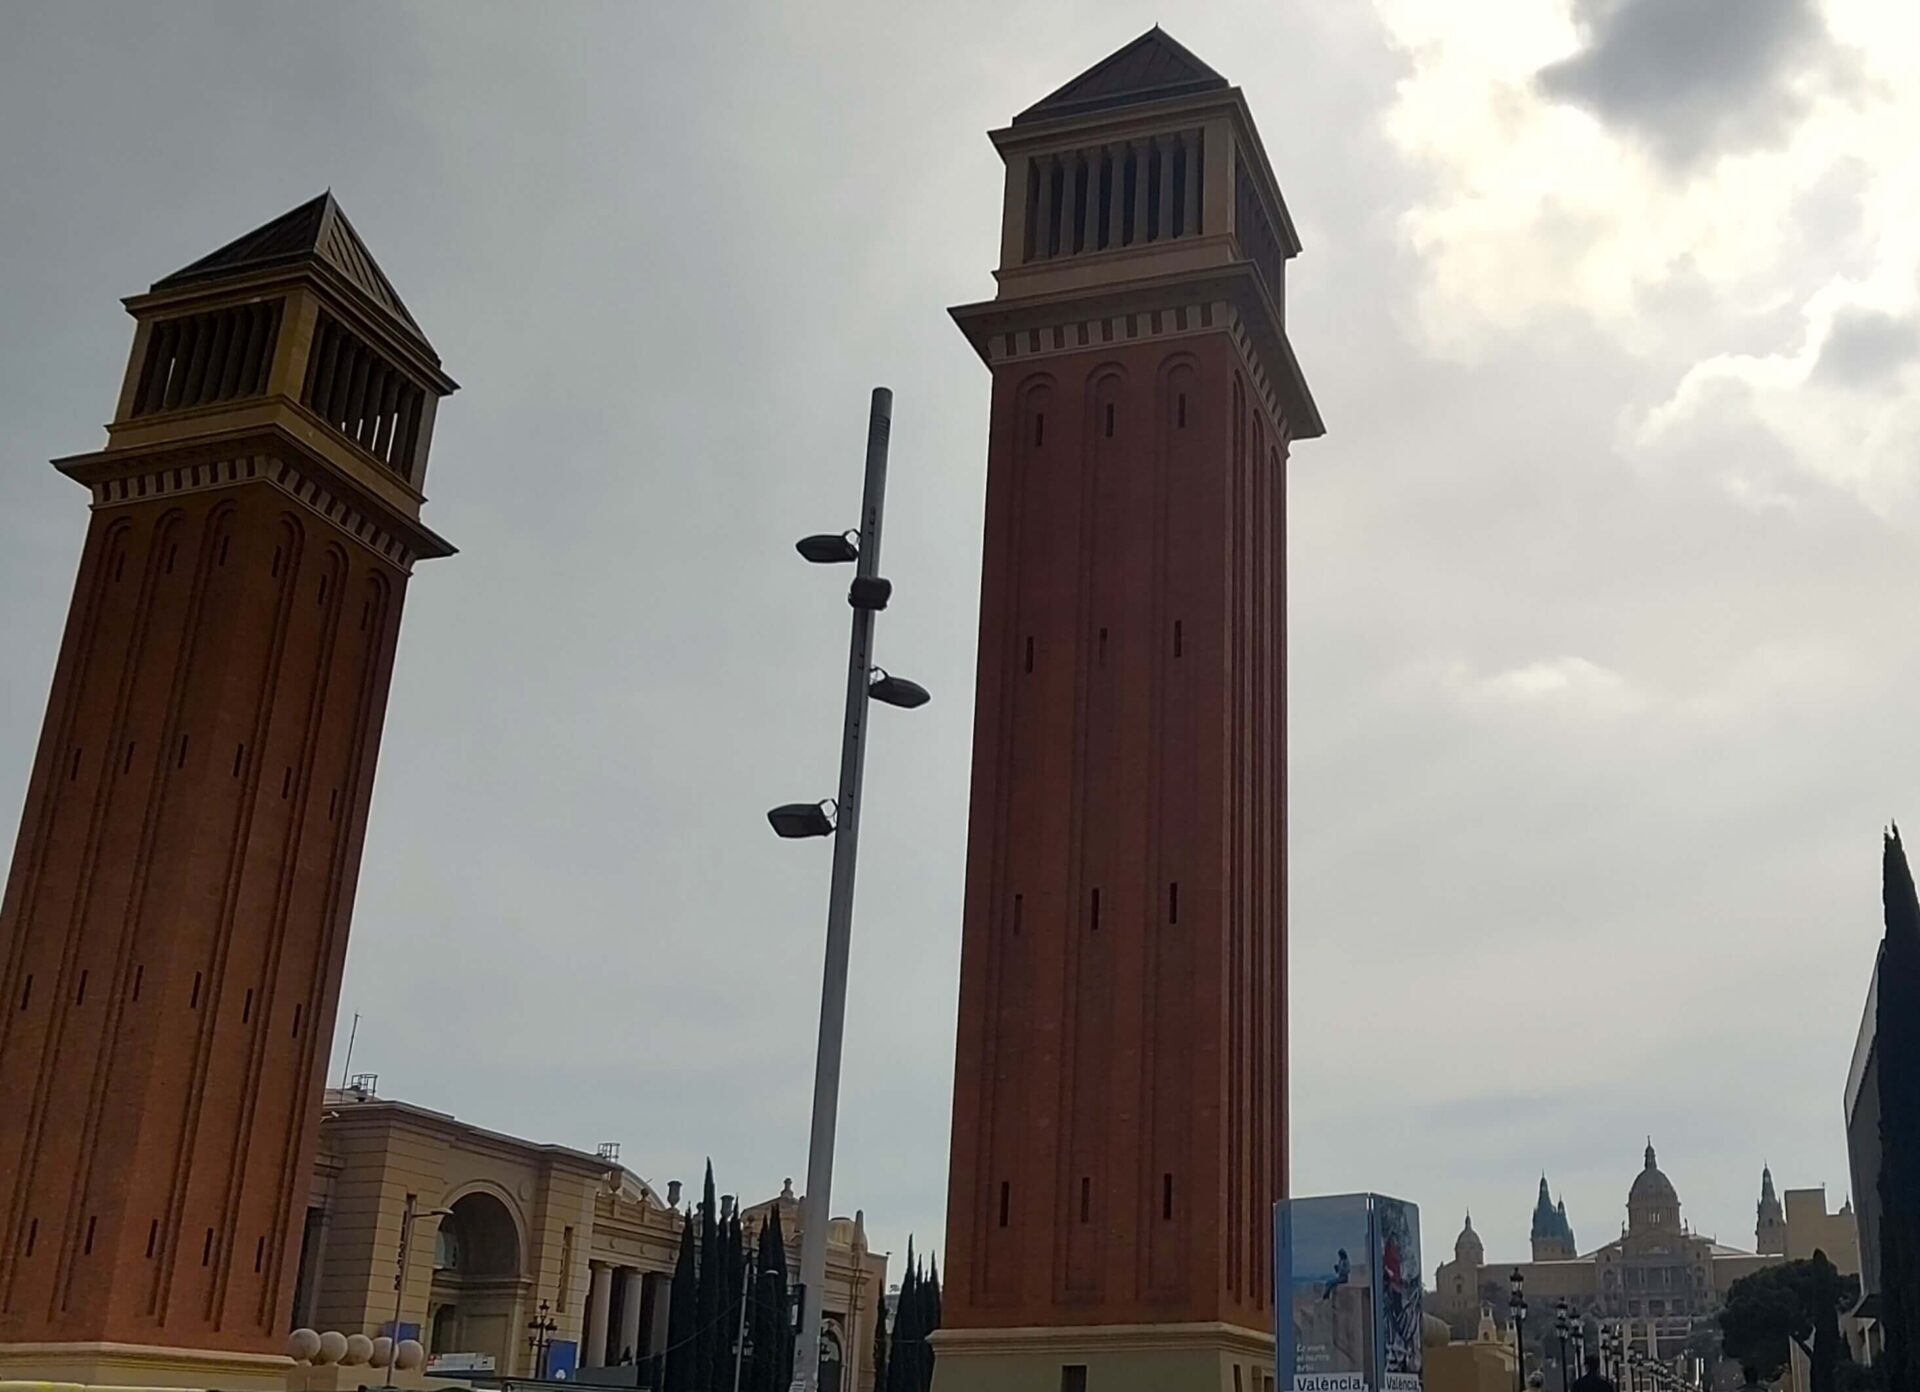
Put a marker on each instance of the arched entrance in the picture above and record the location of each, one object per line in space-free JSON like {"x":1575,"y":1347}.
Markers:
{"x":476,"y":1281}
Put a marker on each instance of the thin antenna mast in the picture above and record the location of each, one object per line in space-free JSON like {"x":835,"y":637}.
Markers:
{"x":346,"y":1069}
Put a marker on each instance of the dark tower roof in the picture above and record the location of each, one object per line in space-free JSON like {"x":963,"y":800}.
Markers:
{"x":317,"y":230}
{"x":1153,"y":66}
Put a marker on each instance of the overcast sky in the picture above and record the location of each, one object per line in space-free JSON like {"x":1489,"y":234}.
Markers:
{"x":1603,"y":589}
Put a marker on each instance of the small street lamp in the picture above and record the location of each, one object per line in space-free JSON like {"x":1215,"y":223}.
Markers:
{"x":541,"y":1329}
{"x":1563,"y":1324}
{"x":407,"y":1219}
{"x":1517,"y":1304}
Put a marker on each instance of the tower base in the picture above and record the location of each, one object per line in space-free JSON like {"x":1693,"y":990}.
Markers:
{"x":1210,"y":1357}
{"x":99,"y":1364}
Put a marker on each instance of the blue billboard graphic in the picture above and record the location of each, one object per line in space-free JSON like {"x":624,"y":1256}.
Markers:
{"x":1347,"y":1287}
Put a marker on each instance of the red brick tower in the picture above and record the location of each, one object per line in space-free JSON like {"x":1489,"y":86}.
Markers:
{"x":176,"y":916}
{"x":1119,"y":1125}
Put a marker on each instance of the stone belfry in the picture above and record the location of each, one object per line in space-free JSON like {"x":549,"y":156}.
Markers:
{"x":176,"y":915}
{"x":1120,"y":1094}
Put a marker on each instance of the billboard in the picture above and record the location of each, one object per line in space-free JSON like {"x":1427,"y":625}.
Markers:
{"x":1347,"y":1294}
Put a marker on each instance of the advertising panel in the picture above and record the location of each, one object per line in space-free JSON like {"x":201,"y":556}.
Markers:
{"x":1324,"y":1289}
{"x":1398,"y":1285}
{"x":1347,"y":1285}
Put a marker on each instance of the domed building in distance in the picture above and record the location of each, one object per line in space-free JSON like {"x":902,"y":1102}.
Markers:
{"x":1657,"y":1278}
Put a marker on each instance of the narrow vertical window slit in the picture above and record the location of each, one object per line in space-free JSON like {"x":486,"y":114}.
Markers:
{"x":1003,"y":1209}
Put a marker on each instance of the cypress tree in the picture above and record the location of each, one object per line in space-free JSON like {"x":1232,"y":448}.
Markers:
{"x":880,"y":1344}
{"x":1897,"y":1045}
{"x":732,"y":1324}
{"x":900,"y":1376}
{"x":712,"y":1299}
{"x":677,"y":1365}
{"x":781,"y":1294}
{"x":929,"y":1321}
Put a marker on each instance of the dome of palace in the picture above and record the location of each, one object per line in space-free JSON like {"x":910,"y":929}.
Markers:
{"x":1651,"y":1188}
{"x":1468,"y":1246}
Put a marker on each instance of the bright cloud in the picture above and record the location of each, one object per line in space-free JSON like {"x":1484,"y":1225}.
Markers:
{"x":1566,"y":181}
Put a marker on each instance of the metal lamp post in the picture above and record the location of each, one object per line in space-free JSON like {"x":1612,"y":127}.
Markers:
{"x":868,"y":595}
{"x":1562,"y":1323}
{"x":407,"y":1219}
{"x":541,"y":1329}
{"x":1517,"y":1304}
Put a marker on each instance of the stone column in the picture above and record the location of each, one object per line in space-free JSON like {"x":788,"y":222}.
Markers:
{"x":599,"y":1301}
{"x":629,"y":1338}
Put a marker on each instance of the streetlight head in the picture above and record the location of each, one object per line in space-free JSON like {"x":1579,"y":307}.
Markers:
{"x":829,"y":548}
{"x":794,"y":821}
{"x":897,"y":691}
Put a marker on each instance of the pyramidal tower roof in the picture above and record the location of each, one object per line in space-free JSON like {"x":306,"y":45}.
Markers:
{"x":317,"y":230}
{"x":1152,"y":67}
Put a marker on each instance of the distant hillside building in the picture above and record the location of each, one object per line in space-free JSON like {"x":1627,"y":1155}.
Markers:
{"x":1658,"y":1277}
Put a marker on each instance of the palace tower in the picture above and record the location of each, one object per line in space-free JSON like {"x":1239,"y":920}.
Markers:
{"x":176,"y":915}
{"x":1120,"y":1099}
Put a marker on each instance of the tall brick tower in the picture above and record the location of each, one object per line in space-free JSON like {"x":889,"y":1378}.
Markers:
{"x":1119,"y":1123}
{"x":176,"y":915}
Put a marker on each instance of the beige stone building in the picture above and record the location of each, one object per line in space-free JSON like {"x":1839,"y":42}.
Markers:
{"x":1657,"y":1279}
{"x":501,"y":1226}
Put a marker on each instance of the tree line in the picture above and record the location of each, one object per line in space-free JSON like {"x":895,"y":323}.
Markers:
{"x":731,"y":1312}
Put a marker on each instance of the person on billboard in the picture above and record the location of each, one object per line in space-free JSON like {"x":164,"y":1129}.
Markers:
{"x":1342,"y":1273}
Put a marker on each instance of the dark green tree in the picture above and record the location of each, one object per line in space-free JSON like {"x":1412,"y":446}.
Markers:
{"x":677,"y":1362}
{"x":1797,"y":1302}
{"x":1897,"y":1046}
{"x":710,"y":1306}
{"x":734,"y":1262}
{"x":900,"y":1361}
{"x":926,"y":1320}
{"x":779,"y":1297}
{"x":880,"y":1344}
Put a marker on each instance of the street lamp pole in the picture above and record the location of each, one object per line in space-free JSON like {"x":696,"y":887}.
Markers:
{"x":1517,"y":1304}
{"x":868,"y":595}
{"x":407,"y":1219}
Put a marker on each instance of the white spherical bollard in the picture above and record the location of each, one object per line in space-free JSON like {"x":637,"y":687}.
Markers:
{"x":333,"y":1347}
{"x":359,"y":1350}
{"x":411,"y":1354}
{"x":382,"y":1350}
{"x":302,"y":1345}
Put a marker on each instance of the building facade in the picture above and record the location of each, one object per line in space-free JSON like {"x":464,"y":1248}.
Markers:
{"x":176,"y":915}
{"x":1657,"y":1279}
{"x":501,"y":1225}
{"x":1119,"y":1123}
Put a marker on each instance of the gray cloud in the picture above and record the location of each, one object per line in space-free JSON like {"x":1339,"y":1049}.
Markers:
{"x":1866,"y":347}
{"x":1692,"y":78}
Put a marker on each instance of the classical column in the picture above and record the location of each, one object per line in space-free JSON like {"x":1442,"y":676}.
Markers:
{"x":629,"y":1340}
{"x":599,"y":1299}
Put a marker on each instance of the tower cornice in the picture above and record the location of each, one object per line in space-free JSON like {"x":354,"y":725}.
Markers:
{"x":299,"y":461}
{"x":1034,"y":325}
